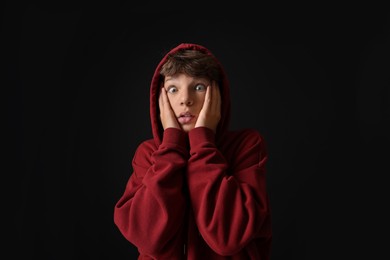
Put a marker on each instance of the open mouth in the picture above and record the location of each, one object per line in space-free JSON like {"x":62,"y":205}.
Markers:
{"x":185,"y":118}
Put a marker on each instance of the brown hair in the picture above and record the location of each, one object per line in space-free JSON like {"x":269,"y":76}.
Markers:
{"x":194,"y":63}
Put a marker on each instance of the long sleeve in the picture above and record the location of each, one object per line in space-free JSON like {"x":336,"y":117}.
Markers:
{"x":229,"y":198}
{"x":151,"y":210}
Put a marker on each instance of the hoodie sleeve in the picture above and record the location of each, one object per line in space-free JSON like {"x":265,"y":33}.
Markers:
{"x":229,"y":198}
{"x":149,"y":212}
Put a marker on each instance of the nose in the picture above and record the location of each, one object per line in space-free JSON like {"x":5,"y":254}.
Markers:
{"x":186,"y":99}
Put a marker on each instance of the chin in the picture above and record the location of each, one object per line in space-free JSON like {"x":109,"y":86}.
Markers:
{"x":187,"y":128}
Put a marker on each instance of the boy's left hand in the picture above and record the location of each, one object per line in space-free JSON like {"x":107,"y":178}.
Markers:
{"x":210,"y":114}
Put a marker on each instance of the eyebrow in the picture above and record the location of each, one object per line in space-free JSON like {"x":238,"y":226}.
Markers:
{"x":169,"y":78}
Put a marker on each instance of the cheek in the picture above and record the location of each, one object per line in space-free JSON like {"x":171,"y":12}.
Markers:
{"x":199,"y":102}
{"x":173,"y":102}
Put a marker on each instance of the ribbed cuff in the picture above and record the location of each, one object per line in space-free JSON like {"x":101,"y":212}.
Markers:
{"x":201,"y":135}
{"x":174,"y":136}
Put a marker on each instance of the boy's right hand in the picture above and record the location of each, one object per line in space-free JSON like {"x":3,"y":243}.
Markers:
{"x":167,"y":116}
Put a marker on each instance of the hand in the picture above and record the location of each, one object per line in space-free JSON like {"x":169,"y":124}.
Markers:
{"x":167,"y":116}
{"x":210,"y":114}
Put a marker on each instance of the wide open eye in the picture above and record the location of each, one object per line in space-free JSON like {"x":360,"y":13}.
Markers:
{"x":172,"y":89}
{"x":200,"y":87}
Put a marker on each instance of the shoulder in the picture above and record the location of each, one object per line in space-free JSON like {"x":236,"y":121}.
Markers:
{"x":244,"y":140}
{"x":244,"y":147}
{"x":142,"y":158}
{"x":246,"y":135}
{"x":145,"y":148}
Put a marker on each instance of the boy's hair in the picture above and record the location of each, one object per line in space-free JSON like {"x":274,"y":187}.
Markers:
{"x":194,"y":63}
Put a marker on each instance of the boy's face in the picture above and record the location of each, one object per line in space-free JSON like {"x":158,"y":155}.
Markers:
{"x":186,"y":96}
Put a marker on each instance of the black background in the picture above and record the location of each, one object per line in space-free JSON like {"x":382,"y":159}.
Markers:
{"x":314,"y":80}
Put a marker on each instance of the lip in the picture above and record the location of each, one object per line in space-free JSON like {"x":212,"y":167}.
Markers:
{"x":185,"y":114}
{"x":185,"y":117}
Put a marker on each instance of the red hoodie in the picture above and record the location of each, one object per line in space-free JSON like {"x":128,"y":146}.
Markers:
{"x":197,"y":195}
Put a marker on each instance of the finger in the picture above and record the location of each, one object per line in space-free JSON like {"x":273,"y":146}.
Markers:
{"x":160,"y":99}
{"x":165,"y":97}
{"x":206,"y":97}
{"x":166,"y":102}
{"x":218,"y":96}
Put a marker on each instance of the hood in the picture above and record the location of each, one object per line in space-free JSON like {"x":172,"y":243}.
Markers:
{"x":157,"y":129}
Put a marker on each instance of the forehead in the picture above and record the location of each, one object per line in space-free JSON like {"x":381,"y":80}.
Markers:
{"x":183,"y":78}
